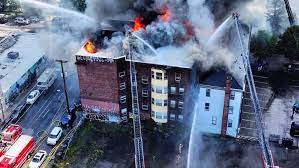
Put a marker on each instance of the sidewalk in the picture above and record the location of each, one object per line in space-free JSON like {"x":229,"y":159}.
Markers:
{"x":20,"y":99}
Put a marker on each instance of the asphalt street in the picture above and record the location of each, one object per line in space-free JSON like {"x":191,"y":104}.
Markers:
{"x":39,"y":119}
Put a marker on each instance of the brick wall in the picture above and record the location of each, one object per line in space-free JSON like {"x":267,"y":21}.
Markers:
{"x":99,"y":81}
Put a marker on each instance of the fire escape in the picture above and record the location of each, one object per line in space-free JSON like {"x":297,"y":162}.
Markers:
{"x":266,"y":152}
{"x":290,"y":13}
{"x":138,"y":142}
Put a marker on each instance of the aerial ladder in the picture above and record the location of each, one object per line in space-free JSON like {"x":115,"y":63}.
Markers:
{"x":266,"y":152}
{"x":138,"y":142}
{"x":290,"y":13}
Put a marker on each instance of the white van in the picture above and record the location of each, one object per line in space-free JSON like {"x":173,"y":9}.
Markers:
{"x":46,"y":79}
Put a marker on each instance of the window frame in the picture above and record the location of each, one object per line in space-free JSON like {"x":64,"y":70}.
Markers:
{"x":122,"y":85}
{"x":122,"y":111}
{"x":232,"y":95}
{"x":230,"y":109}
{"x":172,"y":116}
{"x":144,"y":93}
{"x":123,"y":99}
{"x":214,"y":120}
{"x":122,"y":74}
{"x":158,"y":77}
{"x":181,"y":91}
{"x":181,"y":105}
{"x":207,"y":106}
{"x":174,"y":90}
{"x":171,"y":102}
{"x":208,"y":92}
{"x":229,"y":123}
{"x":178,"y":77}
{"x":144,"y":80}
{"x":145,"y":105}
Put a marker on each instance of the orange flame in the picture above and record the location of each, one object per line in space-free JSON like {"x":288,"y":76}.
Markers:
{"x":90,"y":47}
{"x":166,"y":16}
{"x":137,"y":24}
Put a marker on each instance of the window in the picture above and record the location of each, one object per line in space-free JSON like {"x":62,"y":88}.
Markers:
{"x":164,"y":115}
{"x":122,"y":86}
{"x":207,"y":106}
{"x":181,"y":91}
{"x":124,"y":111}
{"x":144,"y":80}
{"x":172,"y":103}
{"x":232,"y":95}
{"x":159,"y":115}
{"x":165,"y":90}
{"x":231,"y":110}
{"x":122,"y":74}
{"x":177,"y":77}
{"x":181,"y":105}
{"x":153,"y":101}
{"x":153,"y":114}
{"x":214,"y":120}
{"x":208,"y":92}
{"x":159,"y":89}
{"x":153,"y":74}
{"x":153,"y":89}
{"x":230,"y":123}
{"x":144,"y":106}
{"x":123,"y":99}
{"x":165,"y":102}
{"x":172,"y":116}
{"x":144,"y":93}
{"x":165,"y":76}
{"x":172,"y":90}
{"x":158,"y":102}
{"x":159,"y":76}
{"x":180,"y":117}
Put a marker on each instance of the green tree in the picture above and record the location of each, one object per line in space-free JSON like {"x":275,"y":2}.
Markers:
{"x":289,"y":43}
{"x":79,"y":5}
{"x":276,"y":15}
{"x":9,"y":6}
{"x":263,"y":44}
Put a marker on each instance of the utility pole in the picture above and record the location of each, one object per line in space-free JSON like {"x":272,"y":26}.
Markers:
{"x":64,"y":84}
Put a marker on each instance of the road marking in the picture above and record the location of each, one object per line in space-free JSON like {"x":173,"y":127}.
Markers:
{"x":46,"y":113}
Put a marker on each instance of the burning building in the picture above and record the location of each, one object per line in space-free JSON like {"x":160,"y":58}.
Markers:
{"x":163,"y":72}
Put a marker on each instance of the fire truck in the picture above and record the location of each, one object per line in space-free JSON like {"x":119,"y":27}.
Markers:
{"x":18,"y":153}
{"x":11,"y":134}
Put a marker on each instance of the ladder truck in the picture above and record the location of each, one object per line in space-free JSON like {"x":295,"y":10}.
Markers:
{"x":266,"y":152}
{"x":290,"y":13}
{"x":138,"y":142}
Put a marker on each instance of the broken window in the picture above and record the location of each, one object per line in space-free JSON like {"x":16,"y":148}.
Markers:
{"x":165,"y":102}
{"x":124,"y":111}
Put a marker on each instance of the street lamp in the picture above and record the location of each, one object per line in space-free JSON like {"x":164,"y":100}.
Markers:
{"x":64,"y":84}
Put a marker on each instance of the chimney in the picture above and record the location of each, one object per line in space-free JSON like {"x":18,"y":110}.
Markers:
{"x":226,"y":105}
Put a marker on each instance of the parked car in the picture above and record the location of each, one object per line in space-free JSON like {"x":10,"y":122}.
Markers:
{"x":294,"y":131}
{"x":34,"y":19}
{"x":33,"y":96}
{"x":54,"y":136}
{"x":17,"y":112}
{"x":3,"y":19}
{"x":38,"y":159}
{"x":296,"y":106}
{"x":22,"y":21}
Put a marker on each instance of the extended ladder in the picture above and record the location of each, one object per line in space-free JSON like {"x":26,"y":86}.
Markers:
{"x":290,"y":13}
{"x":255,"y":102}
{"x":138,"y":142}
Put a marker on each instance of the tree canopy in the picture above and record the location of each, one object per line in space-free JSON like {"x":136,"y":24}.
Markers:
{"x":289,"y":43}
{"x":263,"y":44}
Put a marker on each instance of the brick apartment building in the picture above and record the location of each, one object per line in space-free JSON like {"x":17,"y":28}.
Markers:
{"x":163,"y":85}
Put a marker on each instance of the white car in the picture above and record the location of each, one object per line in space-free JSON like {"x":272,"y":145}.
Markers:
{"x":33,"y":96}
{"x":54,"y":136}
{"x":38,"y":159}
{"x":22,"y":21}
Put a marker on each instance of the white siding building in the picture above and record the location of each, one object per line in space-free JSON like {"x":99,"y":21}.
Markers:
{"x":211,"y":103}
